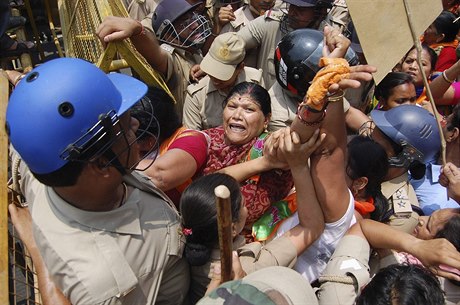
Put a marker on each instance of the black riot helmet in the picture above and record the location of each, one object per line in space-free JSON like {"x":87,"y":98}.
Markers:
{"x":297,"y":57}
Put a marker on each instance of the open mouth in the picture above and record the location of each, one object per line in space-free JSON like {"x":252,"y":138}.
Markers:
{"x":237,"y":127}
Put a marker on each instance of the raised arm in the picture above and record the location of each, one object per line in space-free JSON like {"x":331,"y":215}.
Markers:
{"x":311,"y":221}
{"x":328,"y":166}
{"x":119,"y":28}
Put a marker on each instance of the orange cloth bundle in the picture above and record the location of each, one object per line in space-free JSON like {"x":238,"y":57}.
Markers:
{"x":335,"y":69}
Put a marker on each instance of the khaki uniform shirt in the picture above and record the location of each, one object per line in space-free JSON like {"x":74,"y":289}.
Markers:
{"x":338,"y":16}
{"x":243,"y":16}
{"x":204,"y":103}
{"x":346,"y":273}
{"x":147,"y":22}
{"x":177,"y":77}
{"x":393,"y":190}
{"x":284,"y":107}
{"x":139,"y":9}
{"x":130,"y":255}
{"x":264,"y":33}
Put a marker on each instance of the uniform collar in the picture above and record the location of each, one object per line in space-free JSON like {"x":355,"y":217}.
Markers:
{"x":124,"y":220}
{"x":391,"y":186}
{"x":241,"y":78}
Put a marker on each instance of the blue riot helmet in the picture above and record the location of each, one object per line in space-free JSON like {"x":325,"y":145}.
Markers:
{"x":413,"y":129}
{"x":64,"y":108}
{"x":297,"y":58}
{"x":176,"y":23}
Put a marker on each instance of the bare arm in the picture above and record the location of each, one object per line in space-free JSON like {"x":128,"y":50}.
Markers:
{"x":247,"y":169}
{"x":311,"y":220}
{"x":119,"y":28}
{"x":171,"y":169}
{"x":22,"y":221}
{"x":442,"y":91}
{"x":431,"y":253}
{"x":328,"y":167}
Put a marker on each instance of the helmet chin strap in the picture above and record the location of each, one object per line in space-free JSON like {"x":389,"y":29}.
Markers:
{"x":115,"y":162}
{"x":408,"y":155}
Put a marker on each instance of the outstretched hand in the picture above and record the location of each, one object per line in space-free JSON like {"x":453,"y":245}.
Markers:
{"x":117,"y":28}
{"x":225,"y":15}
{"x":335,"y":43}
{"x":435,"y":252}
{"x":293,"y":151}
{"x":336,"y":46}
{"x":450,"y":178}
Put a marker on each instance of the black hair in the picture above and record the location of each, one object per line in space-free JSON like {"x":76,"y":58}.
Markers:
{"x":430,"y":51}
{"x":161,"y":104}
{"x":455,"y":122}
{"x":255,"y":91}
{"x":199,"y":214}
{"x":402,"y":285}
{"x":367,"y":158}
{"x":450,"y":232}
{"x":393,"y":79}
{"x":445,"y":24}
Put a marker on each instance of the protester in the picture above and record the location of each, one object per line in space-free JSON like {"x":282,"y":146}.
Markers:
{"x":181,"y":152}
{"x":237,"y":149}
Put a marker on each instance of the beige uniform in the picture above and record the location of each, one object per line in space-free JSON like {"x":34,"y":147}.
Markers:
{"x":177,"y":77}
{"x":243,"y":16}
{"x":139,"y":9}
{"x":284,"y":107}
{"x":253,"y":256}
{"x":130,"y":255}
{"x":401,"y":194}
{"x":338,"y":16}
{"x":346,"y":273}
{"x":203,"y":104}
{"x":264,"y":33}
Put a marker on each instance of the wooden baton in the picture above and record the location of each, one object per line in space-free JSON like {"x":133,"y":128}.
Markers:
{"x":224,"y":223}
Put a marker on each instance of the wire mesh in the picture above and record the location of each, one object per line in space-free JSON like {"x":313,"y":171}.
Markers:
{"x":23,"y":288}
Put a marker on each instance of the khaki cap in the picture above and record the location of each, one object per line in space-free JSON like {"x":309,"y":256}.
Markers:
{"x":225,"y":53}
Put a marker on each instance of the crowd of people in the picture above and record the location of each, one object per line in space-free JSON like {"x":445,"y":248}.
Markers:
{"x":350,"y":198}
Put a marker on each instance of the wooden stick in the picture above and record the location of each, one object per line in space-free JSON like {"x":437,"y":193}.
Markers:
{"x":418,"y":46}
{"x":4,"y":93}
{"x":224,"y":223}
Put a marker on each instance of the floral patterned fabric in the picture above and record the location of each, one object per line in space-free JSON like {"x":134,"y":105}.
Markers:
{"x":269,"y":187}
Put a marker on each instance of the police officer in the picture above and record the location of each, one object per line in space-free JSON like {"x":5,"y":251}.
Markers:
{"x":92,"y":214}
{"x":266,"y":31}
{"x":242,"y":17}
{"x":410,"y":136}
{"x":224,"y":65}
{"x":182,"y":32}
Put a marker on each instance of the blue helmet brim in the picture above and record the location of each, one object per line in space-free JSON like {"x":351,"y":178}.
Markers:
{"x":131,"y":90}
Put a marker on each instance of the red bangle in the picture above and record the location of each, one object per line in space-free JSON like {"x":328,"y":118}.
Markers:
{"x":141,"y":32}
